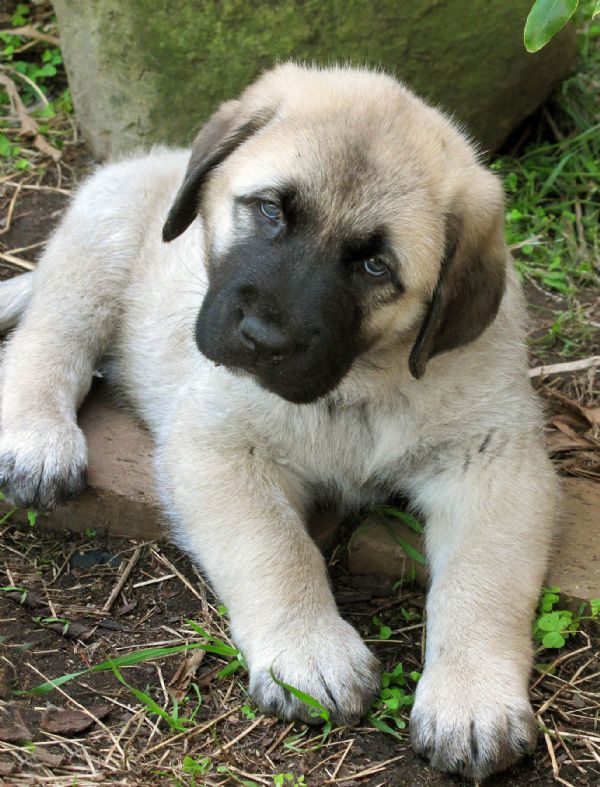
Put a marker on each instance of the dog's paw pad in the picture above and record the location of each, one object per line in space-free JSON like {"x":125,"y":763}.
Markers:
{"x":339,"y":672}
{"x":474,"y":731}
{"x":42,"y":466}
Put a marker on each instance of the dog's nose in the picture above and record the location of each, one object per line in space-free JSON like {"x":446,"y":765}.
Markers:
{"x":265,"y":337}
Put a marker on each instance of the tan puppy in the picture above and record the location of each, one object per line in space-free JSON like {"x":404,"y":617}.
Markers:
{"x":335,"y":251}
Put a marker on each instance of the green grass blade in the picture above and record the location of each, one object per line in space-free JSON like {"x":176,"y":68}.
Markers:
{"x":383,"y":727}
{"x":129,"y":660}
{"x":312,"y":702}
{"x":409,"y":520}
{"x":411,"y":552}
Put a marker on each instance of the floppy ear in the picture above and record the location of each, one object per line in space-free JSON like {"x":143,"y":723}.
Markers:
{"x":470,"y":285}
{"x":219,"y":137}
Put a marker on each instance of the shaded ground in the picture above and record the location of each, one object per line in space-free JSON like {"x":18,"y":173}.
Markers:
{"x":63,"y":625}
{"x":55,"y":615}
{"x":56,"y":623}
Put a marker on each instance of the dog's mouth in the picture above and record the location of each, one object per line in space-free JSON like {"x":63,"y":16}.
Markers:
{"x":310,"y":367}
{"x":297,"y":380}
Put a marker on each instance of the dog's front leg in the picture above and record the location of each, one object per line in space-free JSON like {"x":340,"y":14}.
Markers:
{"x":239,"y":513}
{"x":489,"y":523}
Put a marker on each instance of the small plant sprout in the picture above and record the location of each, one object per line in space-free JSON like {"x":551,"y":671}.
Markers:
{"x":390,"y":710}
{"x":288,"y":780}
{"x":552,"y":627}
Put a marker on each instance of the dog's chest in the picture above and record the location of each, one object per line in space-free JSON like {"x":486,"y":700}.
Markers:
{"x":356,"y":453}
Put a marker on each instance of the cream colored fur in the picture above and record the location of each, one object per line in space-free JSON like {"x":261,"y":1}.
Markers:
{"x":236,"y":465}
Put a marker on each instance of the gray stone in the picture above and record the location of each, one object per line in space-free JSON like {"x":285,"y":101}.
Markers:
{"x":575,"y":566}
{"x":374,"y":548}
{"x":147,"y":71}
{"x":575,"y":558}
{"x":121,"y":497}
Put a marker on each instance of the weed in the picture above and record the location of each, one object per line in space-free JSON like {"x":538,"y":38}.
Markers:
{"x":398,"y":519}
{"x":49,"y":620}
{"x":384,"y":631}
{"x":552,"y":627}
{"x":34,"y":71}
{"x":194,"y":768}
{"x":315,"y":709}
{"x":393,"y":702}
{"x":248,"y":712}
{"x":283,"y":779}
{"x":553,"y":193}
{"x":213,"y":645}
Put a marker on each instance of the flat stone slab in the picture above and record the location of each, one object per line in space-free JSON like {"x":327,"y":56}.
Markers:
{"x":121,"y":500}
{"x":575,"y":557}
{"x":575,"y":566}
{"x":121,"y":497}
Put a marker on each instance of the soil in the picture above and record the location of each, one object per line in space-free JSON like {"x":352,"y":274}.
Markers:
{"x":70,"y":577}
{"x":56,"y":623}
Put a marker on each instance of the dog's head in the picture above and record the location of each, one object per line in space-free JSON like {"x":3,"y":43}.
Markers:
{"x":340,"y":213}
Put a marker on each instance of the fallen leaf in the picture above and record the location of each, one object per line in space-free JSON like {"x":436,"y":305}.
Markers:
{"x":592,"y":414}
{"x":185,"y":672}
{"x":47,"y":758}
{"x":557,"y":442}
{"x":6,"y":768}
{"x":67,"y":721}
{"x":14,"y":733}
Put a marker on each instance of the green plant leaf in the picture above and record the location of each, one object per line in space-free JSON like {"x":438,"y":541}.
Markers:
{"x":545,"y":19}
{"x":383,"y":727}
{"x":320,"y":710}
{"x":553,"y":640}
{"x":409,"y":520}
{"x":412,"y":553}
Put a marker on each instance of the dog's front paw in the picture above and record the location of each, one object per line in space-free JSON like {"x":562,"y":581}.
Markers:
{"x":329,"y":661}
{"x":42,"y":465}
{"x":471,"y":722}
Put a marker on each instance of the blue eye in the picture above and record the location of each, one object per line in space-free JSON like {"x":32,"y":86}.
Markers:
{"x":271,"y":211}
{"x":375,"y":266}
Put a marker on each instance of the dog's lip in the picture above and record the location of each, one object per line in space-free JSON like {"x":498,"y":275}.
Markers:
{"x":284,"y":390}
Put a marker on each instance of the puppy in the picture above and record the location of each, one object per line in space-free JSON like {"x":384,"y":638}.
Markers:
{"x":330,"y":314}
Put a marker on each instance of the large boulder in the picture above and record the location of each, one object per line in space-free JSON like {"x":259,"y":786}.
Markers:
{"x":147,"y":71}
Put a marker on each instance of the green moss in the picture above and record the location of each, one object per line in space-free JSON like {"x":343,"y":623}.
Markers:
{"x":182,"y":59}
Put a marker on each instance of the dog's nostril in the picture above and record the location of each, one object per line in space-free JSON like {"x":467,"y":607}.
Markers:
{"x":262,"y":336}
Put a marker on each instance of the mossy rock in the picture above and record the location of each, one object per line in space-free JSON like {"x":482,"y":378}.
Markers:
{"x":147,"y":71}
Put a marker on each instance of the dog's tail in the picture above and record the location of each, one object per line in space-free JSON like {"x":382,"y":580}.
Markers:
{"x":15,"y":294}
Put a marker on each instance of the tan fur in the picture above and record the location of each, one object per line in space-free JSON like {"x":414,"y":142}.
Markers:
{"x":236,"y":464}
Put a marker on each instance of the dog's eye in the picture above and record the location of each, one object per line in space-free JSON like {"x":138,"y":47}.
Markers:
{"x":271,"y":211}
{"x":375,"y":266}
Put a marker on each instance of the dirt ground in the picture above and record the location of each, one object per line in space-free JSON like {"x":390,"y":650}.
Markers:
{"x":60,"y":617}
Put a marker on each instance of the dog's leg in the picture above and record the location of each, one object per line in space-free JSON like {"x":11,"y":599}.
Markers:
{"x":489,"y":525}
{"x":239,"y":513}
{"x":49,"y":360}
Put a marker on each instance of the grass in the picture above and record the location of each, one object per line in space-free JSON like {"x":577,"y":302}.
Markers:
{"x":206,"y":731}
{"x":552,"y":182}
{"x":35,"y":106}
{"x":551,"y":175}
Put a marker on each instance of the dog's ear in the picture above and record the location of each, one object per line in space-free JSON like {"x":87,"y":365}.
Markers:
{"x":226,"y":130}
{"x":471,"y":281}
